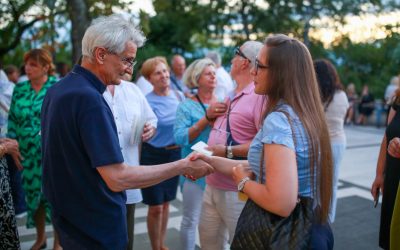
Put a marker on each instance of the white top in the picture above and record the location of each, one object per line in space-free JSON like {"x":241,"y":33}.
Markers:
{"x":224,"y":83}
{"x":144,"y":85}
{"x":335,"y":114}
{"x":131,"y":110}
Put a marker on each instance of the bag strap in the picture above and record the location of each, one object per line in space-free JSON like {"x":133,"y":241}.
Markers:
{"x":262,"y":151}
{"x":230,"y":139}
{"x":176,"y":83}
{"x":201,"y":103}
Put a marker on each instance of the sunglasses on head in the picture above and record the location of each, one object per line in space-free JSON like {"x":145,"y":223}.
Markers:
{"x":238,"y":52}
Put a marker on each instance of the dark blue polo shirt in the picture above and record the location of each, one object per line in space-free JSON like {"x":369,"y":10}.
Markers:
{"x":79,"y":135}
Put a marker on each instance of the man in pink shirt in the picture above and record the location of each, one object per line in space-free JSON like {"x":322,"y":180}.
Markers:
{"x":231,"y":137}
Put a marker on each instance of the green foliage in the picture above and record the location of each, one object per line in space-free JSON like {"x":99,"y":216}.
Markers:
{"x":372,"y":64}
{"x":190,"y":27}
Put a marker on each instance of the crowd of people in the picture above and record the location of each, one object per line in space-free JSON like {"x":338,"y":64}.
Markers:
{"x":81,"y":148}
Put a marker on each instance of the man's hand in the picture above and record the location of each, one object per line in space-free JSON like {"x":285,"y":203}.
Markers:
{"x":394,"y":147}
{"x":218,"y":150}
{"x":148,"y":132}
{"x":196,"y":168}
{"x":12,"y":148}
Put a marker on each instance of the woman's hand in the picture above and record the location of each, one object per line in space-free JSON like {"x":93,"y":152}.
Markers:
{"x":12,"y":148}
{"x":377,"y":186}
{"x":148,"y":132}
{"x":394,"y":147}
{"x":241,"y":171}
{"x":216,"y":109}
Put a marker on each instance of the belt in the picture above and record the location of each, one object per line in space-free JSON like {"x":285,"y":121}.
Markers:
{"x":171,"y":147}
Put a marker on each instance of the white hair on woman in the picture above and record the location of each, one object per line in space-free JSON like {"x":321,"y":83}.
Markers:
{"x":111,"y":32}
{"x":193,"y":72}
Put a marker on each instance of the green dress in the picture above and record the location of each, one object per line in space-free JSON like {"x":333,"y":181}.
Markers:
{"x":24,"y":126}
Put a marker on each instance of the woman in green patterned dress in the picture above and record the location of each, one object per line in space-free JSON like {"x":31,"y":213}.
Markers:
{"x":24,"y":126}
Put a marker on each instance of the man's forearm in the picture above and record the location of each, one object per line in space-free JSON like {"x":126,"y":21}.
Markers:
{"x":119,"y":177}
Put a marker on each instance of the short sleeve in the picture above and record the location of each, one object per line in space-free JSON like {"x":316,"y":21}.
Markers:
{"x":99,"y":137}
{"x":276,"y":130}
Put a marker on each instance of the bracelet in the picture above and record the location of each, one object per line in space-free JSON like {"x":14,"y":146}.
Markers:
{"x":2,"y":150}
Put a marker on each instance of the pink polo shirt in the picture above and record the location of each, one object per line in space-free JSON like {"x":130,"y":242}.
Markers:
{"x":244,"y":121}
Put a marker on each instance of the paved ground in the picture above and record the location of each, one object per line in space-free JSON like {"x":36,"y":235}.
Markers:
{"x":357,"y":221}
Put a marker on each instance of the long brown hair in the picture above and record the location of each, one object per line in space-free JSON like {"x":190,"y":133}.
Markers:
{"x":291,"y":78}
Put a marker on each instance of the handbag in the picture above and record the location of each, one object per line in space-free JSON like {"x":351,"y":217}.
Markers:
{"x":258,"y":228}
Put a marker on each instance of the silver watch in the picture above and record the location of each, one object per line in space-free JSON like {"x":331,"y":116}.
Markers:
{"x":229,"y":152}
{"x":242,"y":182}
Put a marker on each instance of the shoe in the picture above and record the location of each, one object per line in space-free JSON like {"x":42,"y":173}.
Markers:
{"x":43,"y":246}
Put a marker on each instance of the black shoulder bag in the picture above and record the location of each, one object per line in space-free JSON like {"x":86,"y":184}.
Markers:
{"x":258,"y":228}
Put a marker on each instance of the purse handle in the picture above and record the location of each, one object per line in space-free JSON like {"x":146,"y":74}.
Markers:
{"x":262,"y":152}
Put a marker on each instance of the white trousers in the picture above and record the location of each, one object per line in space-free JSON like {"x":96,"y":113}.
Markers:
{"x":220,"y":212}
{"x":192,"y":196}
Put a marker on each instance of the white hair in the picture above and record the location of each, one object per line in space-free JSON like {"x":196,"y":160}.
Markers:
{"x":215,"y":57}
{"x":111,"y":32}
{"x":250,"y":49}
{"x":193,"y":72}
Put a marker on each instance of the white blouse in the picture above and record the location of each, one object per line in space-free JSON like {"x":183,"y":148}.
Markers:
{"x":131,"y":111}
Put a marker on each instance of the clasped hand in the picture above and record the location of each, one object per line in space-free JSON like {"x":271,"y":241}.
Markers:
{"x":197,"y":166}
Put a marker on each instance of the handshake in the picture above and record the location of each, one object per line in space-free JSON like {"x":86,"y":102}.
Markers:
{"x":198,"y":163}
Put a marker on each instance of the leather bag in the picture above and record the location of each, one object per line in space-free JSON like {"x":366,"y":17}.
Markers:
{"x":258,"y":228}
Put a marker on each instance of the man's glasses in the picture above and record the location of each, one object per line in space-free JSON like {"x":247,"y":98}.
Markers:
{"x":260,"y":66}
{"x":238,"y":52}
{"x":128,"y":62}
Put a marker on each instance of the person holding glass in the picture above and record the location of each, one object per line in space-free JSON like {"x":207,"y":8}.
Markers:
{"x":193,"y":122}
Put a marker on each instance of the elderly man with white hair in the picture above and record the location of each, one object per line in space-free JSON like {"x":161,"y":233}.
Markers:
{"x":224,"y":80}
{"x":230,"y":138}
{"x":84,"y":174}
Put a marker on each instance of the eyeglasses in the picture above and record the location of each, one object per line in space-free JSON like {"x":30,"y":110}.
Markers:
{"x":238,"y":52}
{"x":128,"y":62}
{"x":260,"y":66}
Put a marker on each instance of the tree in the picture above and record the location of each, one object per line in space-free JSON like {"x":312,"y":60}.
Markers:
{"x":18,"y":16}
{"x":79,"y":15}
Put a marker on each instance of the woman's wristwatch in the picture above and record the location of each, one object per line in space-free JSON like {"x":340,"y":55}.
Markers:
{"x":240,"y":185}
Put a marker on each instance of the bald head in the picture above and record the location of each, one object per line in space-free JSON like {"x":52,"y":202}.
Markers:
{"x":178,"y":65}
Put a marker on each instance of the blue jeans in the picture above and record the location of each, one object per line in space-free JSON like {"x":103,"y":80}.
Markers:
{"x":17,"y":192}
{"x":322,"y":237}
